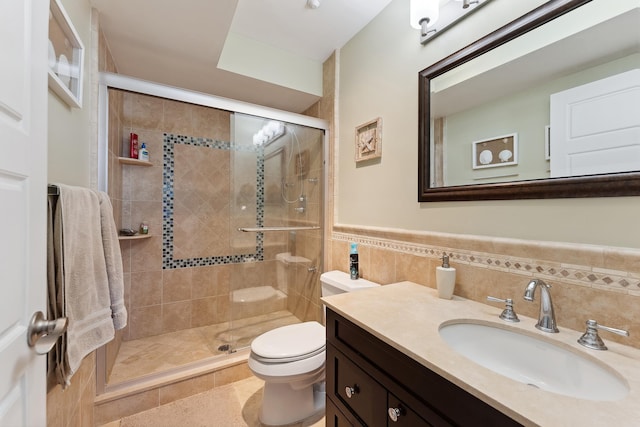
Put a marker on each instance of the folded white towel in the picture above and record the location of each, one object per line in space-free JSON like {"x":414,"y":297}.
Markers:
{"x":91,"y":280}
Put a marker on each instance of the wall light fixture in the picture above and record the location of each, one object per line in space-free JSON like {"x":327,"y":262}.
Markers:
{"x":423,"y":15}
{"x":433,"y":17}
{"x":314,"y":4}
{"x":269,"y":133}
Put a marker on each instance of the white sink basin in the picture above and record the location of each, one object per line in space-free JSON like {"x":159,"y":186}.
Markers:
{"x":534,"y":361}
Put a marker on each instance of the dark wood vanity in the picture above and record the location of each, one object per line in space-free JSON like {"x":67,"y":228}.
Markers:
{"x":370,"y":383}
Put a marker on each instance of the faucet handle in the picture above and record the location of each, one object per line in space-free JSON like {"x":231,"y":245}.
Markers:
{"x":508,"y":314}
{"x":592,"y":340}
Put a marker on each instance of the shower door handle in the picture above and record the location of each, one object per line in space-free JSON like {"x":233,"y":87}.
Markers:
{"x":263,"y":229}
{"x":42,"y":334}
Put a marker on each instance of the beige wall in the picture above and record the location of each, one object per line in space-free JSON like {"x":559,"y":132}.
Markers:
{"x":71,"y":129}
{"x":586,"y":248}
{"x":379,"y":77}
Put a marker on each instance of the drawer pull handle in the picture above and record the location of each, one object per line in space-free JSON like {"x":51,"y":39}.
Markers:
{"x":395,"y":413}
{"x":351,"y":391}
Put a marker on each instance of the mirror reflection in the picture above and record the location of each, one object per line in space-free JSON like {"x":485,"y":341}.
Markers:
{"x":558,"y":101}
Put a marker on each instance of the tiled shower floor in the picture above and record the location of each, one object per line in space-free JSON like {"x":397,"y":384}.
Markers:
{"x":151,"y":355}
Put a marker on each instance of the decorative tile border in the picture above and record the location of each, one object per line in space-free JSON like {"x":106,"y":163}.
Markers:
{"x":608,"y":280}
{"x":168,"y":261}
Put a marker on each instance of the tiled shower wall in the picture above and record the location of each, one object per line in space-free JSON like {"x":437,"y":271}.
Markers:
{"x":167,"y":300}
{"x":164,"y":301}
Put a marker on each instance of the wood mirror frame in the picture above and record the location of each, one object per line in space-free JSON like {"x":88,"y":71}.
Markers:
{"x":605,"y":185}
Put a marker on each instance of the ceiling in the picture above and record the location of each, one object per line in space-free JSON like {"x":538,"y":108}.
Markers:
{"x":179,"y":43}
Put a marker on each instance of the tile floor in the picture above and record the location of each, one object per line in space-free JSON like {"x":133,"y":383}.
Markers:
{"x":145,"y":356}
{"x":233,"y":405}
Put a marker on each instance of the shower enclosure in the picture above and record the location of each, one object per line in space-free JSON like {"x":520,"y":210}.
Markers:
{"x":233,"y":196}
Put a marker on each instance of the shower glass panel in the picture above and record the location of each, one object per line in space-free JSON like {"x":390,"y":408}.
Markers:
{"x":276,"y":218}
{"x":199,"y":288}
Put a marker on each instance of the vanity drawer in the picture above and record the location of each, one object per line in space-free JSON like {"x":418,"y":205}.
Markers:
{"x":334,"y":417}
{"x":358,"y":391}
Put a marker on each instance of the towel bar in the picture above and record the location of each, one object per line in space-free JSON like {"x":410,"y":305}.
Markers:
{"x":53,"y":190}
{"x":263,"y":229}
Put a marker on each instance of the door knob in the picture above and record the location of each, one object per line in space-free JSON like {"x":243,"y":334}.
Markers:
{"x":44,"y":332}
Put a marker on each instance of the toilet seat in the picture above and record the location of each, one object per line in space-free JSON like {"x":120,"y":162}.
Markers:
{"x":268,"y":360}
{"x":289,"y":343}
{"x":305,"y":369}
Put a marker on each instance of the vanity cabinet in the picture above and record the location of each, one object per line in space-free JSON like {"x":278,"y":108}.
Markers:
{"x":370,"y":383}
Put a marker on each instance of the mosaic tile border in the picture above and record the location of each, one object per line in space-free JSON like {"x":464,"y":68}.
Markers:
{"x":168,"y":261}
{"x":603,"y":279}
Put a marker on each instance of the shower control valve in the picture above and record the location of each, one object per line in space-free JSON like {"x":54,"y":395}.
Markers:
{"x":302,"y":206}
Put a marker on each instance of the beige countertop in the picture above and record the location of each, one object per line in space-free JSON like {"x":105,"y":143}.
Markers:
{"x":407,"y":316}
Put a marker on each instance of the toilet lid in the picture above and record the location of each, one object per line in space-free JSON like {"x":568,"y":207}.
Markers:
{"x":290,"y":341}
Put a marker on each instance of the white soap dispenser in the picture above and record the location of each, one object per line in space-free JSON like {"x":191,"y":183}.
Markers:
{"x":445,"y":278}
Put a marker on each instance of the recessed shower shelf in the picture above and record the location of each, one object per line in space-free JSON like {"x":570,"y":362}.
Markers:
{"x":135,"y":237}
{"x":136,"y":162}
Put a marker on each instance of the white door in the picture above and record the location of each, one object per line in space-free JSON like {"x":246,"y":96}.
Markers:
{"x":23,"y":182}
{"x":595,"y":128}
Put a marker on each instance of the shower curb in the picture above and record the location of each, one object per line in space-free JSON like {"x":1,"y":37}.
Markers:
{"x":146,"y":393}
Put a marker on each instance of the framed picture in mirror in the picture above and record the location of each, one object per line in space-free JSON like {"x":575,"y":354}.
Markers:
{"x":495,"y":152}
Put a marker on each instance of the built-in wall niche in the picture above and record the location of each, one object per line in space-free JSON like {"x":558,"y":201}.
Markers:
{"x":133,"y":234}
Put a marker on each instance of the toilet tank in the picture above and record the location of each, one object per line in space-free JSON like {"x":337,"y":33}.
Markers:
{"x":338,"y":282}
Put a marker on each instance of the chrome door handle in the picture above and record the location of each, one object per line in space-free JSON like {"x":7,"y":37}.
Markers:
{"x":39,"y":327}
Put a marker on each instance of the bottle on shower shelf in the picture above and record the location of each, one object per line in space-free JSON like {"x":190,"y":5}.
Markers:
{"x":143,"y":153}
{"x":133,"y":145}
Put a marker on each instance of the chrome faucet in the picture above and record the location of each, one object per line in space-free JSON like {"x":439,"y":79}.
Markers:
{"x":547,"y":318}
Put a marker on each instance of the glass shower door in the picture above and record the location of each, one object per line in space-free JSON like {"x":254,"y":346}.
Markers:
{"x":276,"y":226}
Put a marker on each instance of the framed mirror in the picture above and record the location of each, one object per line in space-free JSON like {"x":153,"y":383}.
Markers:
{"x":495,"y":122}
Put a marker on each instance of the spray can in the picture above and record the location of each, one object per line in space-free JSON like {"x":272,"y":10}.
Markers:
{"x":353,"y":262}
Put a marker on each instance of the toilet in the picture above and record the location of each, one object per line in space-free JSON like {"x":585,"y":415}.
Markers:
{"x":291,"y":361}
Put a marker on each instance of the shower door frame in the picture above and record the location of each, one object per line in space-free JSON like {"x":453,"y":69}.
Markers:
{"x":117,"y":81}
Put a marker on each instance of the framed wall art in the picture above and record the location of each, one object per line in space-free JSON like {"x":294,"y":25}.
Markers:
{"x":369,"y":140}
{"x":66,"y":56}
{"x":495,"y":152}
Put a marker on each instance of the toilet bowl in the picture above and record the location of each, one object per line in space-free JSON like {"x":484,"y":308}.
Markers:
{"x":291,"y":361}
